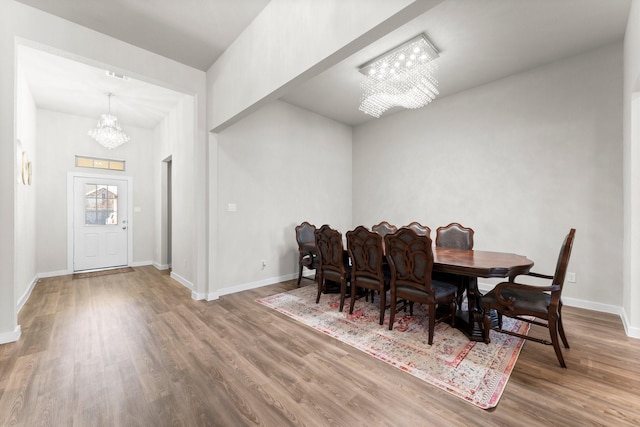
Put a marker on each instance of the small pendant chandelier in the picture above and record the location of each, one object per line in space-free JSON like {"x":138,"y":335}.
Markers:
{"x":108,"y":132}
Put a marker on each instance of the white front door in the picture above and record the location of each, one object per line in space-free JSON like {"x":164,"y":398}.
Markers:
{"x":100,"y":223}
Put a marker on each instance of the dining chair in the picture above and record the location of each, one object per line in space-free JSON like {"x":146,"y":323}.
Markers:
{"x":419,"y":229}
{"x":307,"y":256}
{"x":539,"y":305}
{"x":384,"y":228}
{"x":454,"y":236}
{"x":367,"y":267}
{"x":333,"y":262}
{"x":411,"y":259}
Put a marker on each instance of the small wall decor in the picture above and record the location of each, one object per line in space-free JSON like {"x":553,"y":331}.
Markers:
{"x":24,"y":165}
{"x":29,"y":172}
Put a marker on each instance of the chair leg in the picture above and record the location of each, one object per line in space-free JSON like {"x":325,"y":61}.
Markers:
{"x":453,"y":307}
{"x":299,"y":274}
{"x":320,"y":285}
{"x":382,"y":303}
{"x":354,"y":291}
{"x":343,"y":293}
{"x":561,"y":328}
{"x":392,"y":310}
{"x":462,"y":286}
{"x":432,"y":321}
{"x":553,"y":331}
{"x":486,"y":326}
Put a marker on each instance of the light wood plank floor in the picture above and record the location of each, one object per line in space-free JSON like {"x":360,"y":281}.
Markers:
{"x":135,"y":350}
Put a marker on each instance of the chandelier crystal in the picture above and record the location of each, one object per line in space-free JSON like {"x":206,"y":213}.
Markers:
{"x":402,"y":77}
{"x":108,"y":132}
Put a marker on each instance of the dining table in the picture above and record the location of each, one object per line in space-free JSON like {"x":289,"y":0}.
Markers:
{"x":472,"y":264}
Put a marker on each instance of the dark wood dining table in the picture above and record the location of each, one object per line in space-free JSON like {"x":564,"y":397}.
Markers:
{"x":471,"y":264}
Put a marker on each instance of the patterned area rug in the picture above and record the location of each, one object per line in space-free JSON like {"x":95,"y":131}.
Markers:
{"x":475,"y":372}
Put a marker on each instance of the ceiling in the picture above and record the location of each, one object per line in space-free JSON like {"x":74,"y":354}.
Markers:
{"x":72,"y":87}
{"x":479,"y":41}
{"x":193,"y":32}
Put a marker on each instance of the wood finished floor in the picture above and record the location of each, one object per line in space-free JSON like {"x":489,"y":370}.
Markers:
{"x":135,"y":350}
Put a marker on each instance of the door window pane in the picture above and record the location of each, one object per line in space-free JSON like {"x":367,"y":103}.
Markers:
{"x":101,"y":204}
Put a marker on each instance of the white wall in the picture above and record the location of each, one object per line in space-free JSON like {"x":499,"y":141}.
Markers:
{"x":291,"y":41}
{"x":162,"y":151}
{"x":280,"y":166}
{"x":25,"y":207}
{"x":23,"y":24}
{"x":60,"y":138}
{"x":520,"y":160}
{"x":171,"y":135}
{"x":631,"y":169}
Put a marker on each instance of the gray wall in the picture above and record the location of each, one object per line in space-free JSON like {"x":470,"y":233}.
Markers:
{"x":280,"y":166}
{"x":25,"y":196}
{"x":24,"y":25}
{"x":631,"y":170}
{"x":520,"y":160}
{"x":60,"y":138}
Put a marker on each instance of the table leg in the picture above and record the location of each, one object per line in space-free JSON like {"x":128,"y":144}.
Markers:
{"x":470,"y":321}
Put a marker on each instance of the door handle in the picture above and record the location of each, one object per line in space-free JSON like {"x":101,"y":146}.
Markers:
{"x":124,"y":228}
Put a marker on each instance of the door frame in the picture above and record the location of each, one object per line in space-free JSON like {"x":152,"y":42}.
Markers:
{"x":71,"y":176}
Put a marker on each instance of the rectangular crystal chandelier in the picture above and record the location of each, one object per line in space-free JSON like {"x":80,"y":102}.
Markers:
{"x":402,"y":77}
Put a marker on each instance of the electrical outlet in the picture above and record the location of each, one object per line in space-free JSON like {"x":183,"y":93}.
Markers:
{"x":571,"y":277}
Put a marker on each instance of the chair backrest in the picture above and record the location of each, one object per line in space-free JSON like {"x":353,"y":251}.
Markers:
{"x":305,"y":233}
{"x":331,"y":252}
{"x":455,"y":236}
{"x":366,"y":252}
{"x":562,"y":264}
{"x":384,"y":228}
{"x":411,"y":259}
{"x":419,"y":229}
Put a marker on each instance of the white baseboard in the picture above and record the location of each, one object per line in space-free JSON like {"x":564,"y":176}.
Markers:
{"x":252,"y":285}
{"x":27,"y":294}
{"x":141,"y":263}
{"x":7,"y":337}
{"x":65,"y":272}
{"x":162,"y":266}
{"x":54,"y":274}
{"x":184,"y":282}
{"x":590,"y":305}
{"x":628,"y":329}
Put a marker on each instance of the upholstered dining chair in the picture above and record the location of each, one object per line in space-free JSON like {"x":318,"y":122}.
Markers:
{"x":411,"y":259}
{"x":419,"y":229}
{"x":307,"y":255}
{"x":539,"y":305}
{"x":333,"y":262}
{"x":454,"y":236}
{"x":367,"y":268}
{"x":384,"y":228}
